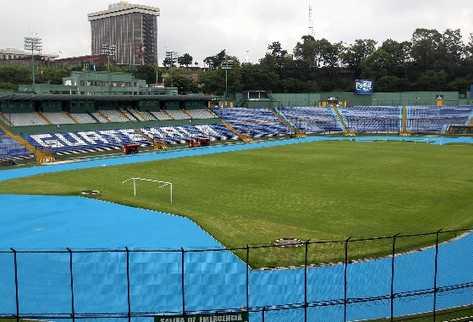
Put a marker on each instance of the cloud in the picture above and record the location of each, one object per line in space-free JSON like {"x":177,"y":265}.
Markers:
{"x":243,"y":27}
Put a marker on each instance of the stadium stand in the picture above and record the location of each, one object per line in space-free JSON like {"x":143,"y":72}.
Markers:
{"x":58,"y":118}
{"x":434,"y":120}
{"x":83,"y":118}
{"x":109,"y":140}
{"x":201,"y":114}
{"x":114,"y":116}
{"x":312,"y":120}
{"x":162,"y":115}
{"x":256,"y":123}
{"x":373,"y":119}
{"x":236,"y":124}
{"x":10,"y":150}
{"x":24,"y":119}
{"x":178,"y":115}
{"x":101,"y":118}
{"x":141,"y":115}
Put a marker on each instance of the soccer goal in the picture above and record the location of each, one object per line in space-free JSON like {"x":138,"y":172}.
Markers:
{"x":161,"y":185}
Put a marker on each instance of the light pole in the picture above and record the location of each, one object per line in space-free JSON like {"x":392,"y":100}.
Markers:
{"x":226,"y":66}
{"x":33,"y":44}
{"x":157,"y":52}
{"x":109,"y":51}
{"x":171,"y":57}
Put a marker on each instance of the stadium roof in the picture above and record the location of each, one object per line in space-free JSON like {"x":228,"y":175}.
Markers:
{"x":121,"y":98}
{"x":19,"y":52}
{"x":123,"y":8}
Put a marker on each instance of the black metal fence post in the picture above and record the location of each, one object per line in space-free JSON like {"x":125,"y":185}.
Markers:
{"x":247,"y":278}
{"x":435,"y":274}
{"x":306,"y":264}
{"x":183,"y":272}
{"x":393,"y":267}
{"x":262,"y":314}
{"x":17,"y":293}
{"x":128,"y":283}
{"x":345,"y":281}
{"x":71,"y":284}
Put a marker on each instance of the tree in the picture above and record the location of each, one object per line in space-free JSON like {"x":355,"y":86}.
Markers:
{"x":306,"y":51}
{"x":391,"y":59}
{"x":185,"y":60}
{"x":355,"y":55}
{"x":329,"y":53}
{"x":168,"y":62}
{"x":389,"y":83}
{"x":432,"y":81}
{"x":182,"y":80}
{"x":217,"y":60}
{"x":318,"y":53}
{"x":469,"y":48}
{"x":257,"y":76}
{"x":452,"y":47}
{"x":146,"y":72}
{"x":275,"y":57}
{"x":426,"y":44}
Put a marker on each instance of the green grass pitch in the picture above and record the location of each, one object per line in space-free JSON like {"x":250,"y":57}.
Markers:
{"x":326,"y":190}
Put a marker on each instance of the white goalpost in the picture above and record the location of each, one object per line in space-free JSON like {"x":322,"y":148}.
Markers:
{"x":161,"y":185}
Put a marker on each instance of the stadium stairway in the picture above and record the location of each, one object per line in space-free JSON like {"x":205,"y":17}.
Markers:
{"x":242,"y":137}
{"x":470,"y":120}
{"x":40,"y":155}
{"x":185,"y":112}
{"x":44,"y":118}
{"x":94,"y":118}
{"x":404,"y":113}
{"x":342,"y":121}
{"x":69,"y":115}
{"x":104,"y":116}
{"x":156,"y":144}
{"x":125,"y":115}
{"x":285,"y":121}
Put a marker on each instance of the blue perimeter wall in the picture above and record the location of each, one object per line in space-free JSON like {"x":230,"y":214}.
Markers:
{"x":213,"y":280}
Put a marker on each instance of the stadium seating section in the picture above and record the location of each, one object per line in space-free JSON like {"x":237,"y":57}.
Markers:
{"x":312,"y":120}
{"x":109,"y":140}
{"x":11,"y":150}
{"x":434,"y":120}
{"x":234,"y":122}
{"x":257,"y":123}
{"x":373,"y":119}
{"x":102,"y":116}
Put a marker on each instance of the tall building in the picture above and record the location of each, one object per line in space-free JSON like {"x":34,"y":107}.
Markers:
{"x":128,"y":32}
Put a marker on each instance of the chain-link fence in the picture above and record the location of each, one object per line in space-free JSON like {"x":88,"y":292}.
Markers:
{"x":372,"y":278}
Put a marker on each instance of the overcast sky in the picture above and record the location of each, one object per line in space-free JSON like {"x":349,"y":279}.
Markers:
{"x":243,"y":27}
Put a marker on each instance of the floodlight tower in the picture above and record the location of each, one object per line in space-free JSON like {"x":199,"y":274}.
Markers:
{"x":311,"y":19}
{"x":171,"y":57}
{"x":226,"y":66}
{"x":33,"y":44}
{"x":109,"y":51}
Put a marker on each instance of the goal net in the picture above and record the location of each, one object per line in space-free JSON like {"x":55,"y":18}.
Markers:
{"x":160,"y":184}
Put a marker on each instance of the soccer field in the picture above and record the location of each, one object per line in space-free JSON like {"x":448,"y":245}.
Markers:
{"x":316,"y":191}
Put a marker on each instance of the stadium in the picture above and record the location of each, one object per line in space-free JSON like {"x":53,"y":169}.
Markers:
{"x":331,"y":182}
{"x":242,"y":214}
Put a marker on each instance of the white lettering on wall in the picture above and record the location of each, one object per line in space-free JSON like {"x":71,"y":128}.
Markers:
{"x":77,"y":140}
{"x":113,"y":134}
{"x":47,"y":141}
{"x":92,"y":137}
{"x":132,"y":135}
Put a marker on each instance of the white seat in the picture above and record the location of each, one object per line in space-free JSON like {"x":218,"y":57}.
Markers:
{"x":24,"y":119}
{"x":83,"y":118}
{"x":58,"y":118}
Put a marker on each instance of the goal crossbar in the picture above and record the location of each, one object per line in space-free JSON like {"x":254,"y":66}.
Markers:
{"x":162,"y":184}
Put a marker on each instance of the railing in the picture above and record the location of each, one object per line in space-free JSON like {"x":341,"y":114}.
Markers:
{"x":181,"y":270}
